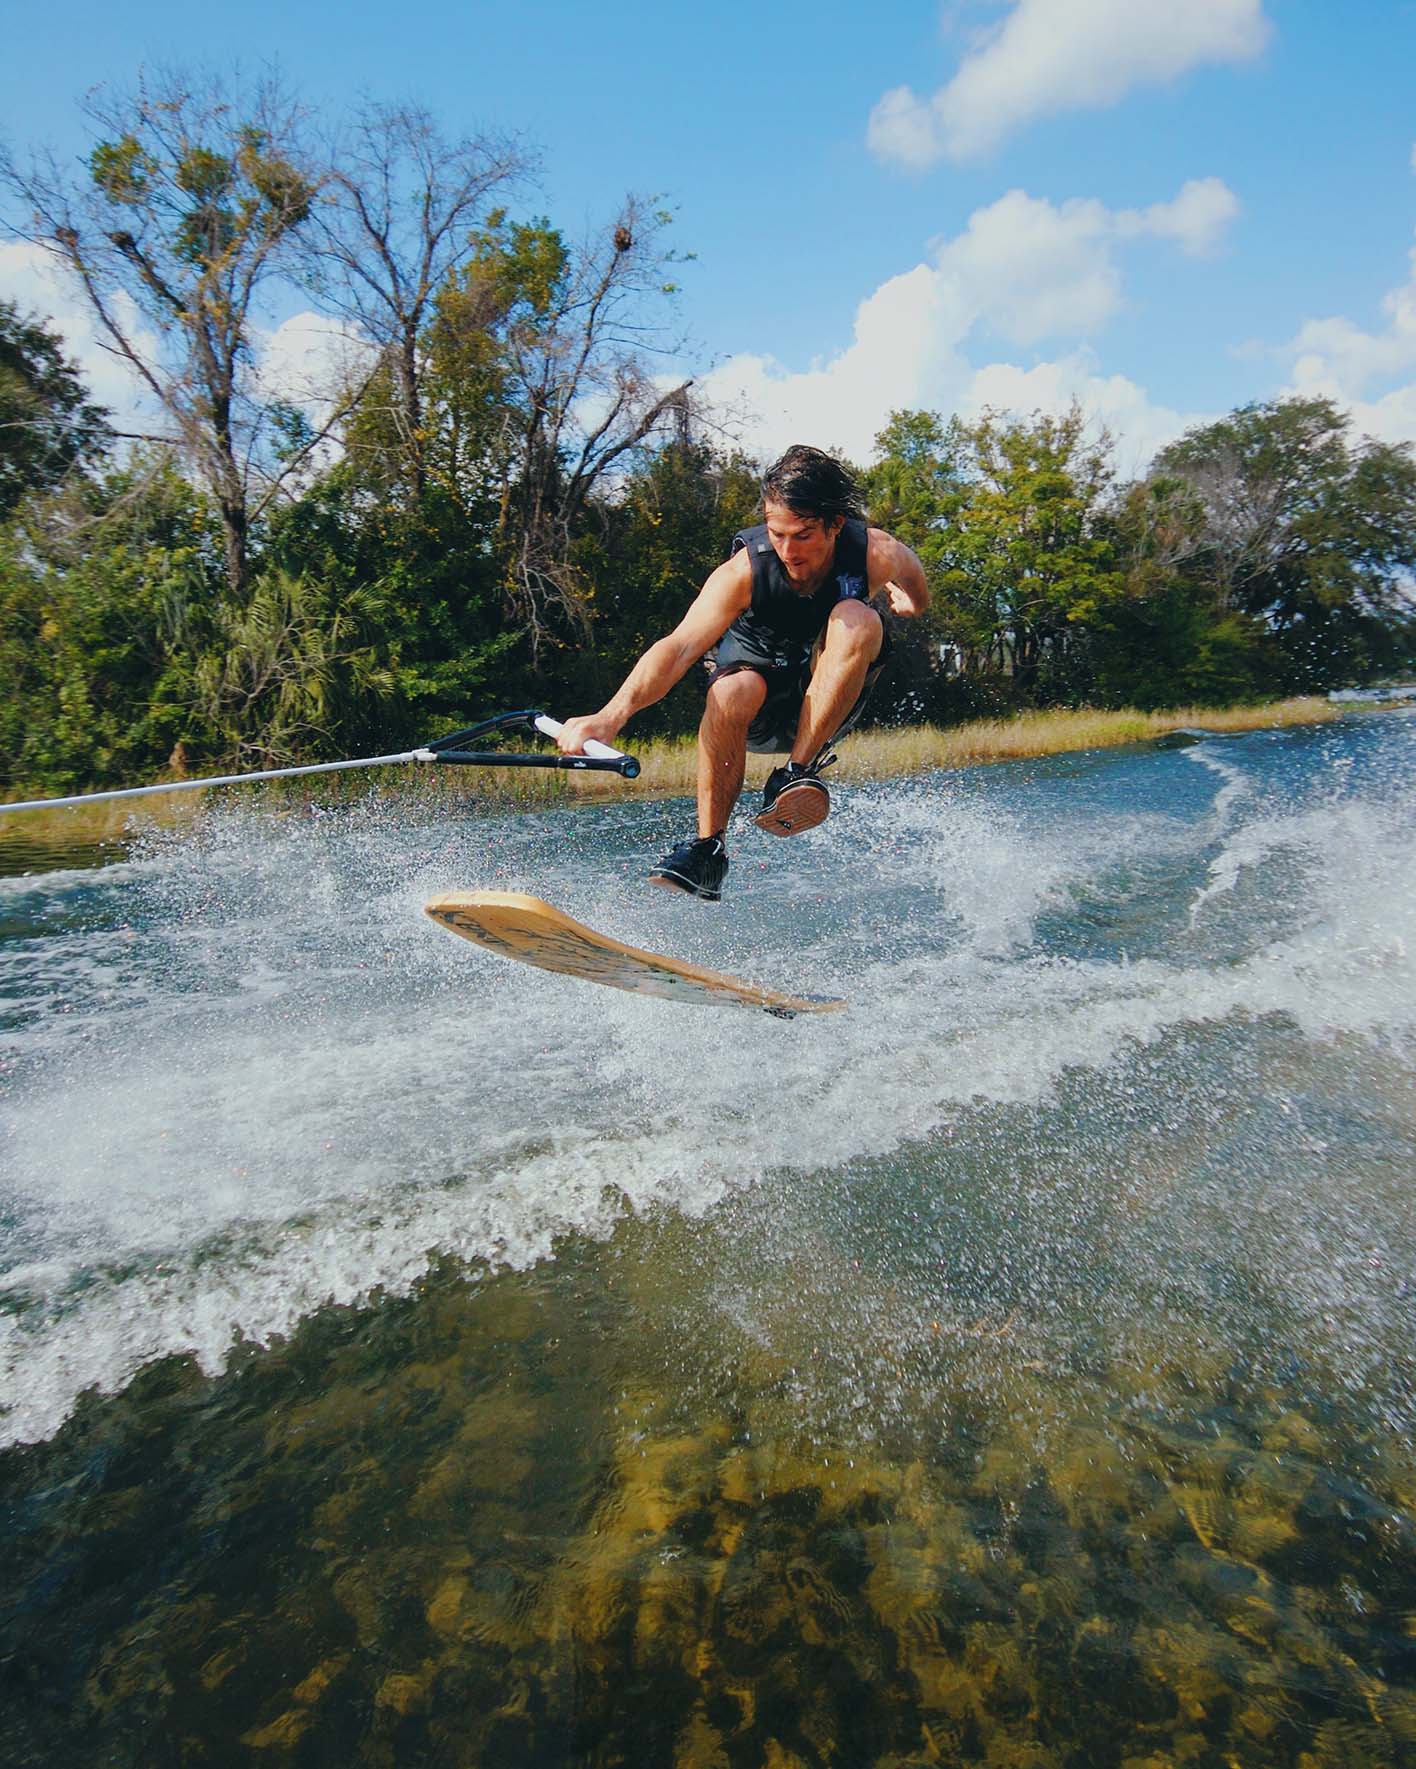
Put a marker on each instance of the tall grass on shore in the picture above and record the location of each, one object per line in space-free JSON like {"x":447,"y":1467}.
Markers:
{"x":668,"y":768}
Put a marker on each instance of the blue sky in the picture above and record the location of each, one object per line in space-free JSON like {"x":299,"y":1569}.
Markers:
{"x":1163,"y":209}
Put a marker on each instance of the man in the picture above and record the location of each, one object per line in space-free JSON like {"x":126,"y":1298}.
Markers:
{"x":798,"y":650}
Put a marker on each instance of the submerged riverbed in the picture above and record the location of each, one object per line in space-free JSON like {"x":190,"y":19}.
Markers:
{"x":411,"y":1358}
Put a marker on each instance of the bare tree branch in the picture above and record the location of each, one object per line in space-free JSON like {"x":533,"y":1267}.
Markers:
{"x":403,"y":206}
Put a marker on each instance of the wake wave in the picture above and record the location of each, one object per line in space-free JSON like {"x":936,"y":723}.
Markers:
{"x":245,"y":1077}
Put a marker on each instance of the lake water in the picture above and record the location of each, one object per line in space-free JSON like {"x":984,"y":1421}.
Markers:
{"x":410,"y":1358}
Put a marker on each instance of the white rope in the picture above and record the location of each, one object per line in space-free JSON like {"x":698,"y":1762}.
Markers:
{"x":544,"y":723}
{"x":135,"y":792}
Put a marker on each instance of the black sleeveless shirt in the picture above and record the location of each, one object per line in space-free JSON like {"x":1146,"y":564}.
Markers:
{"x":781,"y":619}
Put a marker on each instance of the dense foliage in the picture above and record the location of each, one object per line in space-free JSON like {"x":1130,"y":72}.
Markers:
{"x":497,"y":498}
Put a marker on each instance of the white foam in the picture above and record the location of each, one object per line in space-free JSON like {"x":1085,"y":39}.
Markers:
{"x":278,"y":1086}
{"x":1237,"y":784}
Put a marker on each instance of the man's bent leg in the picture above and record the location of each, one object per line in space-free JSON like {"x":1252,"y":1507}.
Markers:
{"x":734,"y":701}
{"x":795,"y":798}
{"x":853,"y":640}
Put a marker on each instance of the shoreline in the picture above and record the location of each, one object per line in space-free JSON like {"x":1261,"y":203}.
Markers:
{"x":668,"y":765}
{"x":915,"y":749}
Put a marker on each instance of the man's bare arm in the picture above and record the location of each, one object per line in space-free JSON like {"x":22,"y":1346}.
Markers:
{"x":895,"y":568}
{"x":723,"y":597}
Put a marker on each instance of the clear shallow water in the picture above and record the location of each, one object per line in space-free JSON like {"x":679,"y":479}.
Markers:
{"x":476,"y":1335}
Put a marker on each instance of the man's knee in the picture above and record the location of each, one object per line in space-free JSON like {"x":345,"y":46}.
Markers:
{"x":736,"y":699}
{"x":855,"y":629}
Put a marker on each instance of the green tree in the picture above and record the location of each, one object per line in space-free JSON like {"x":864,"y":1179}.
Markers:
{"x":1030,"y":557}
{"x":917,"y":485}
{"x":545,"y":352}
{"x":287,"y":666}
{"x":102,"y":604}
{"x":1306,"y":532}
{"x":1165,"y":641}
{"x":406,"y":212}
{"x":447,"y":645}
{"x":47,"y":424}
{"x":916,"y":488}
{"x":191,"y":204}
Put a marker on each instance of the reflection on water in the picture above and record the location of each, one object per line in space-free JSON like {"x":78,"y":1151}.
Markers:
{"x":87,"y":836}
{"x":1021,"y":1375}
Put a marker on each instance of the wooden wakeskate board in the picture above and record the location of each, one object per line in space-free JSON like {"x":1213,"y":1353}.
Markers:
{"x":534,"y":932}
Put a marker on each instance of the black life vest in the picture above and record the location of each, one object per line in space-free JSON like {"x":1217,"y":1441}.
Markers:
{"x":781,"y":619}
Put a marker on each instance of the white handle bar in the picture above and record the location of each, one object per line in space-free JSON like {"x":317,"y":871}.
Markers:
{"x":593,"y":747}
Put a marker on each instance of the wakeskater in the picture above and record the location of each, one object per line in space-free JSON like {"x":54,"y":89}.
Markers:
{"x":795,"y":649}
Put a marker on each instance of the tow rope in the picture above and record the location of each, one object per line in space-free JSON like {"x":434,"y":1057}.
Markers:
{"x":451,"y":749}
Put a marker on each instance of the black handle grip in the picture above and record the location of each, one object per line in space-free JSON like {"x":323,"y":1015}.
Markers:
{"x":628,"y":766}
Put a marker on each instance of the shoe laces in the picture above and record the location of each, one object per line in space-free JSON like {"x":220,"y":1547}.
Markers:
{"x":809,"y":770}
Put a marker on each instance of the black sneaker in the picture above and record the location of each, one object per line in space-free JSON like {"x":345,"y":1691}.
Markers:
{"x":695,"y":867}
{"x":794,"y":798}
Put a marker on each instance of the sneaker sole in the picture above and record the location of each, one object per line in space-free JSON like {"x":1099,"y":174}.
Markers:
{"x":675,"y":881}
{"x":797,"y":807}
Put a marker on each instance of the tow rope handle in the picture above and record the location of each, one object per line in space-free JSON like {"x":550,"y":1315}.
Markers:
{"x":597,"y":756}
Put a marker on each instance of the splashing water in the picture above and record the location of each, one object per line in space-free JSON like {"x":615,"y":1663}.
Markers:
{"x":244,"y":1077}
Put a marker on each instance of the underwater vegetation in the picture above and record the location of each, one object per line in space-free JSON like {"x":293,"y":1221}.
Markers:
{"x":469,"y":1528}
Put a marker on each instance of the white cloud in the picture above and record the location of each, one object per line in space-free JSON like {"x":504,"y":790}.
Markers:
{"x":31,"y":277}
{"x":1023,"y":269}
{"x":1058,"y":55}
{"x":310,"y":361}
{"x":1336,"y":358}
{"x":904,"y":128}
{"x":307,"y":360}
{"x":313,"y":362}
{"x":902,"y":343}
{"x":1392,"y":418}
{"x":1140,"y":427}
{"x":1195,"y":220}
{"x":1031,"y":269}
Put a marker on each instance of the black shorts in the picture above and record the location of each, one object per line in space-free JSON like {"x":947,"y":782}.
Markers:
{"x":786,"y":672}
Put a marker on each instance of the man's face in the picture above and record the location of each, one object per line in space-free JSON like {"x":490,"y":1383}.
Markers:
{"x":804,"y":544}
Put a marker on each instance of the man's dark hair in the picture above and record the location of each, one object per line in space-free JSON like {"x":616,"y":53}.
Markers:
{"x":812,"y":483}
